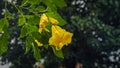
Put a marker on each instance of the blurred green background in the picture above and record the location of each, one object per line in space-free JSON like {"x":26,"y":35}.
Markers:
{"x":96,"y":41}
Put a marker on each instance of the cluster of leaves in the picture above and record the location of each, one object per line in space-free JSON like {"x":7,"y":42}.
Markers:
{"x":29,"y":13}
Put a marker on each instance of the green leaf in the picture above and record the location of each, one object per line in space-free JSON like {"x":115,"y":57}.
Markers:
{"x":32,"y":19}
{"x":36,"y":35}
{"x":40,"y":8}
{"x":3,"y":22}
{"x":57,"y":17}
{"x":53,"y":4}
{"x":58,"y":53}
{"x":60,"y":3}
{"x":45,"y":37}
{"x":27,"y":29}
{"x":3,"y":45}
{"x":50,"y":4}
{"x":4,"y":41}
{"x":32,"y":8}
{"x":6,"y":22}
{"x":24,"y":31}
{"x":9,"y":15}
{"x":42,"y":37}
{"x":48,"y":26}
{"x":21,"y":21}
{"x":33,"y":29}
{"x":29,"y":41}
{"x":32,"y":2}
{"x":36,"y":52}
{"x":24,"y":2}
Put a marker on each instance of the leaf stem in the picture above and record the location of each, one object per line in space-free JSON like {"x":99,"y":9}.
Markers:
{"x":24,"y":3}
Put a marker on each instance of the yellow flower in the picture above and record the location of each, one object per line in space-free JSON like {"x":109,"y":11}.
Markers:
{"x":60,"y":37}
{"x":38,"y":43}
{"x":43,"y":22}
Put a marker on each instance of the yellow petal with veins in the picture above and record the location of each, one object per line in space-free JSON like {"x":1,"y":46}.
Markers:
{"x":60,"y":37}
{"x":43,"y":22}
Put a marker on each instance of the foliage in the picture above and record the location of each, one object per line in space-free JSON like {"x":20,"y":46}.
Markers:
{"x":29,"y":13}
{"x":29,"y":26}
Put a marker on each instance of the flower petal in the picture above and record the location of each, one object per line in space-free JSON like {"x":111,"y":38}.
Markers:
{"x":53,"y":21}
{"x":38,"y":43}
{"x":43,"y":22}
{"x":60,"y":37}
